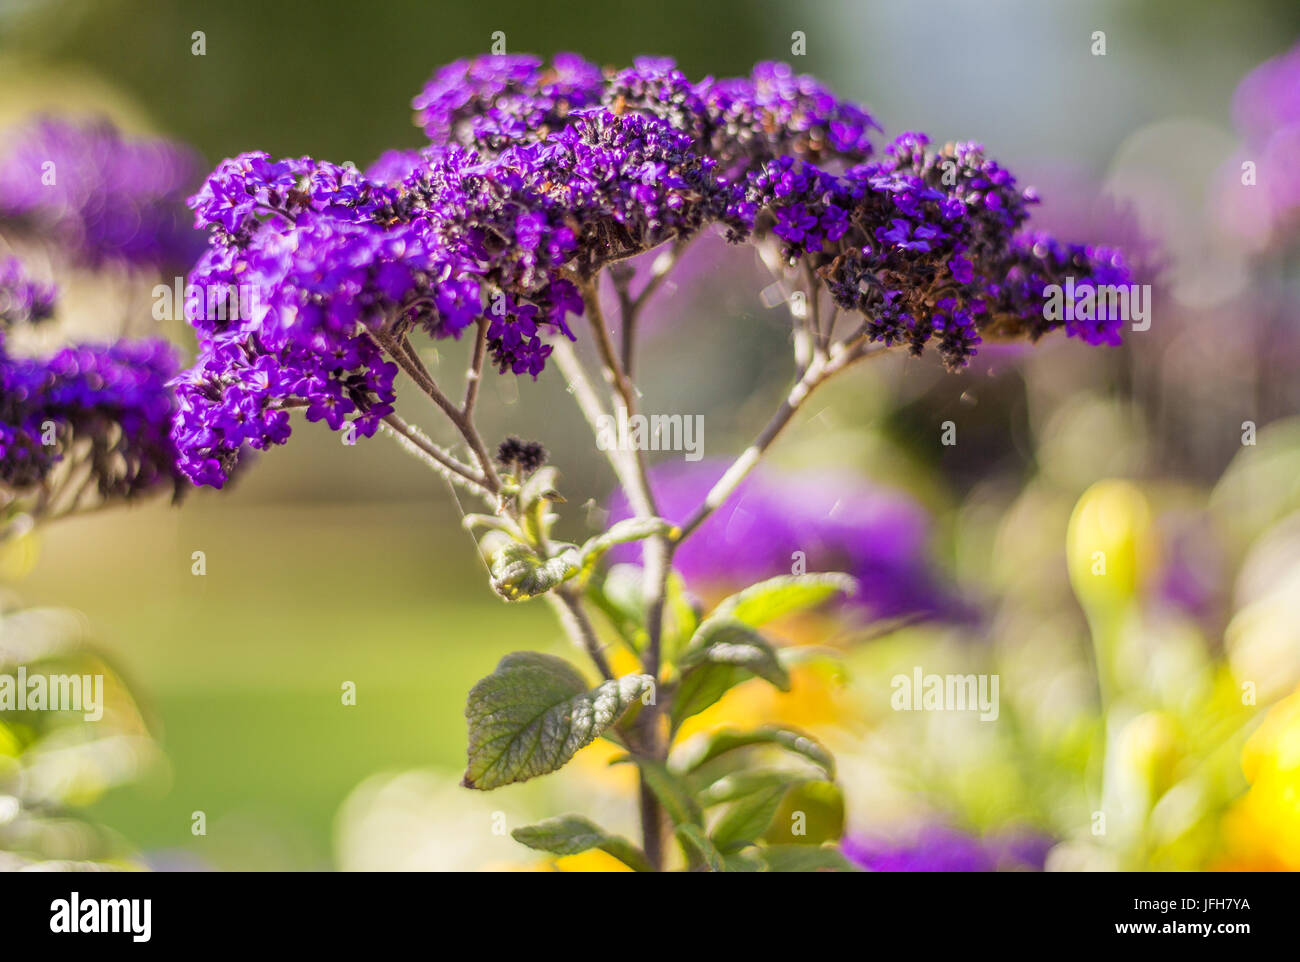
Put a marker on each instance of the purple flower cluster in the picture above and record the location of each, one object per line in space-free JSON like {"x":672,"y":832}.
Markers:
{"x":490,"y":102}
{"x":97,"y":195}
{"x":928,"y":246}
{"x":107,"y":406}
{"x":306,"y":237}
{"x":342,"y":264}
{"x":536,"y":177}
{"x":837,"y":520}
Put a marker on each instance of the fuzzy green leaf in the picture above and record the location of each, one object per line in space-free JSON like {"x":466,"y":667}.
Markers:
{"x":790,"y":739}
{"x":758,"y":604}
{"x":630,"y":529}
{"x":572,"y":834}
{"x":736,"y":785}
{"x":722,"y":654}
{"x":532,"y":714}
{"x":519,"y":573}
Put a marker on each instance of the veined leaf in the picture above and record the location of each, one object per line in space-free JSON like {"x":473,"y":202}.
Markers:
{"x":572,"y":834}
{"x":519,"y":573}
{"x":532,"y":714}
{"x":806,"y":858}
{"x":760,"y":603}
{"x":700,"y":852}
{"x":790,"y":739}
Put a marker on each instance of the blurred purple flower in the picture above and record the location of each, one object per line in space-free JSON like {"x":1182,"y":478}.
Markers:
{"x":1266,"y":110}
{"x":938,"y":848}
{"x":97,"y":195}
{"x":838,"y":520}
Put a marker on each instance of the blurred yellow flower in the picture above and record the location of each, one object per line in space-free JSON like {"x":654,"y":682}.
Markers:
{"x":1109,"y":546}
{"x":1262,"y":831}
{"x":592,"y":861}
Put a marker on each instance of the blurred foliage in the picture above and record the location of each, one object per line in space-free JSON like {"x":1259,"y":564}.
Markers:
{"x":53,"y":764}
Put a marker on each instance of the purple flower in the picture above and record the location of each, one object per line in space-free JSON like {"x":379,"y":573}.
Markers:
{"x":908,"y":237}
{"x":106,"y":405}
{"x":937,"y":848}
{"x":1266,"y":109}
{"x":491,"y":100}
{"x":96,"y":195}
{"x":839,"y":521}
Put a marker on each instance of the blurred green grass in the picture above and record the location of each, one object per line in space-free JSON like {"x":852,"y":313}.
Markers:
{"x":241,"y":669}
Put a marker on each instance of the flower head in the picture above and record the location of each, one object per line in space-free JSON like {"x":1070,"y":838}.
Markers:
{"x":105,"y":407}
{"x":536,"y":178}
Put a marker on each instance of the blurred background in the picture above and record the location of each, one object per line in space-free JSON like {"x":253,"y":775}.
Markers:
{"x":325,"y":567}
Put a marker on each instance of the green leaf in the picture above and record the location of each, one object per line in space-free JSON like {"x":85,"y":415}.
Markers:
{"x":519,"y":573}
{"x":630,"y":529}
{"x":532,"y":714}
{"x":722,"y":654}
{"x":572,"y":834}
{"x":791,"y":739}
{"x":701,"y":688}
{"x":806,"y":858}
{"x":735,"y":643}
{"x":539,"y":488}
{"x":618,"y":595}
{"x":747,"y":818}
{"x":700,"y":852}
{"x":746,"y":782}
{"x":668,"y":788}
{"x":682,"y":618}
{"x":492,"y":522}
{"x":758,"y":604}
